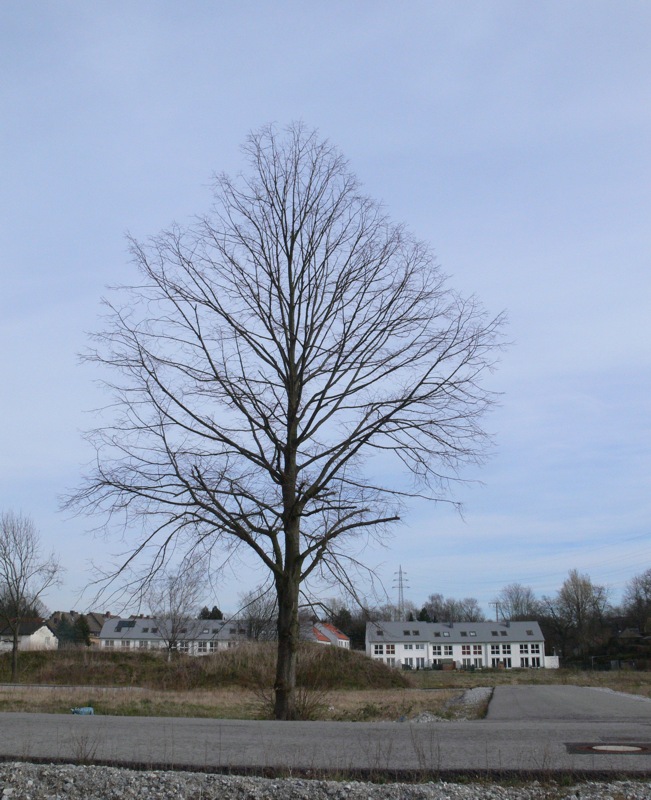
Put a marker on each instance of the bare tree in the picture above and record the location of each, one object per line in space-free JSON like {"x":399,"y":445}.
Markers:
{"x":173,"y":601}
{"x":636,"y":600}
{"x":264,"y":355}
{"x":449,"y":609}
{"x":258,"y":610}
{"x":577,"y":613}
{"x":25,"y":575}
{"x":518,"y":602}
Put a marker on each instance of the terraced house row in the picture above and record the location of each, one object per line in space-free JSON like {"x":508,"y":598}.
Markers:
{"x":198,"y":637}
{"x":478,"y":645}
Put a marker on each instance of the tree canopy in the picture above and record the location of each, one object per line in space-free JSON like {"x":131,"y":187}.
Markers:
{"x":264,"y":355}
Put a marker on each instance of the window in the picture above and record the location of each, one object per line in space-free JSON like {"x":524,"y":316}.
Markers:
{"x":407,"y":633}
{"x":446,"y":633}
{"x":507,"y":662}
{"x":495,"y":662}
{"x":205,"y":630}
{"x":437,"y":633}
{"x":142,"y":645}
{"x":416,"y":633}
{"x":184,"y":647}
{"x":391,"y":649}
{"x":215,"y":630}
{"x":436,"y":649}
{"x":503,"y":633}
{"x":476,"y":649}
{"x":524,"y":662}
{"x":232,"y":630}
{"x":529,"y":633}
{"x":391,"y":662}
{"x":472,"y":633}
{"x":524,"y":648}
{"x":125,"y":643}
{"x":145,"y":630}
{"x":495,"y":649}
{"x":479,"y":662}
{"x":408,"y":646}
{"x":419,"y":647}
{"x":506,"y":649}
{"x":464,"y":633}
{"x":465,"y":649}
{"x":154,"y":630}
{"x":409,"y":662}
{"x":213,"y":646}
{"x":447,"y":650}
{"x":378,"y":649}
{"x":202,"y":647}
{"x":379,"y":633}
{"x":109,"y":643}
{"x":535,"y":661}
{"x":494,"y":633}
{"x":420,"y":663}
{"x":535,"y":648}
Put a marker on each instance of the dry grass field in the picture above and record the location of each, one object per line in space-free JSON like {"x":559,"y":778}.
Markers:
{"x":333,"y":684}
{"x":229,"y":703}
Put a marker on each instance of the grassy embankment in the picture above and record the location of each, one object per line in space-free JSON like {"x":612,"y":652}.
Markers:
{"x":333,"y":684}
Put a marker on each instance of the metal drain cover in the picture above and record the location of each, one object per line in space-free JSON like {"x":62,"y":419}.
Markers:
{"x":609,"y":748}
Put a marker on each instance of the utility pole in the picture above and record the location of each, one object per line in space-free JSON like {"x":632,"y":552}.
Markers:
{"x":497,"y":605}
{"x":401,"y":582}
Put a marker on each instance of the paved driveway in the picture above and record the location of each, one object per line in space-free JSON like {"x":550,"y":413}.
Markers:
{"x":566,"y":704}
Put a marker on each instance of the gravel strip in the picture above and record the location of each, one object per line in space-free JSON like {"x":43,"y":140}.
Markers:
{"x":22,"y":781}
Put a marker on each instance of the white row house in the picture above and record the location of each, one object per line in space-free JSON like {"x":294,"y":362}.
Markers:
{"x":423,"y":645}
{"x":195,"y":637}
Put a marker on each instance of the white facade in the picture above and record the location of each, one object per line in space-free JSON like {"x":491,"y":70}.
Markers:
{"x":478,"y":645}
{"x":40,"y":639}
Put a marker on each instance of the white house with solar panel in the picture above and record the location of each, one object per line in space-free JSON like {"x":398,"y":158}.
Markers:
{"x":461,"y":645}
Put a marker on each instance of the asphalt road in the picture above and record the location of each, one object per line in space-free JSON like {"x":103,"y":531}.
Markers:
{"x":566,"y":704}
{"x":569,"y":725}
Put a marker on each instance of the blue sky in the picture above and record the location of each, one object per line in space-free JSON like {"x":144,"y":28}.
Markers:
{"x":514,"y":137}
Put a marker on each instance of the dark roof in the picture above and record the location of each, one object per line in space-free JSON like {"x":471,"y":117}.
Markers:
{"x":27,"y":627}
{"x":149,"y":629}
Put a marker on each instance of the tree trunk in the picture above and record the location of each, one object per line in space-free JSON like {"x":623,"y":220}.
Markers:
{"x":14,"y":657}
{"x":288,"y":636}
